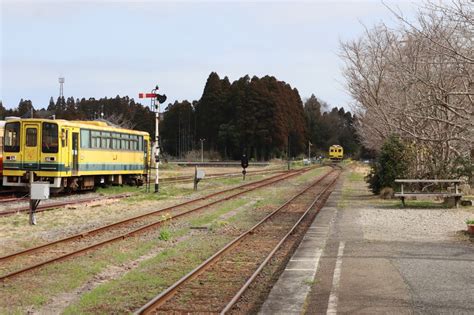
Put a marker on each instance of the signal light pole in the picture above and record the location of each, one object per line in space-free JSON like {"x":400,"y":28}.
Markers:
{"x":156,"y":100}
{"x":202,"y":149}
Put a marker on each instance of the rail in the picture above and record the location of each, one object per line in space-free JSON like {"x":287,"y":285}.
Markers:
{"x":165,"y":296}
{"x":219,"y":164}
{"x":145,"y":226}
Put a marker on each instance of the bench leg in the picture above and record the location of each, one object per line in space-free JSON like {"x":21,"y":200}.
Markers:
{"x":403,"y":202}
{"x":456,"y":201}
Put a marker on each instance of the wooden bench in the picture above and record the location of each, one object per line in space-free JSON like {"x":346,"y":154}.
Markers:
{"x":445,"y":194}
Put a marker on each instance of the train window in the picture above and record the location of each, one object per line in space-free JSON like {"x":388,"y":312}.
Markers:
{"x":64,"y":135}
{"x":85,"y":138}
{"x":31,"y":137}
{"x":117,"y":141}
{"x":95,"y":139}
{"x":124,"y":145}
{"x":12,"y":137}
{"x":50,"y":138}
{"x":140,"y":143}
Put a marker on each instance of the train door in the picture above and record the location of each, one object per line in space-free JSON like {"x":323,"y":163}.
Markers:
{"x":65,"y":145}
{"x":145,"y":150}
{"x":75,"y":153}
{"x":31,"y":148}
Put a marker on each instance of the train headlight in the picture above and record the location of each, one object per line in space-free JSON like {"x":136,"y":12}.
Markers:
{"x":49,"y":159}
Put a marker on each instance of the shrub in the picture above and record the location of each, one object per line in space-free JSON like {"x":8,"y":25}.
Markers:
{"x":463,"y":167}
{"x":392,"y":163}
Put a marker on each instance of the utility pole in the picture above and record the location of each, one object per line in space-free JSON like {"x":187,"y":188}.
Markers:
{"x":156,"y":100}
{"x":202,"y":149}
{"x":289,"y":152}
{"x":309,"y":150}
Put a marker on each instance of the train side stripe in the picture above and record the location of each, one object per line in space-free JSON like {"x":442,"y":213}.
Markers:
{"x":57,"y":167}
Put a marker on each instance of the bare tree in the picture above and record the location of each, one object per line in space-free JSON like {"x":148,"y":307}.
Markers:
{"x":417,"y":82}
{"x":119,"y":120}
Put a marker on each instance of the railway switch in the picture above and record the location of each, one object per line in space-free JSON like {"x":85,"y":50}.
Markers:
{"x":198,"y":175}
{"x":38,"y":191}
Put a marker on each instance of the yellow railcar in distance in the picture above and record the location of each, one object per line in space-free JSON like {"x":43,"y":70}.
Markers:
{"x":73,"y":155}
{"x":336,"y":152}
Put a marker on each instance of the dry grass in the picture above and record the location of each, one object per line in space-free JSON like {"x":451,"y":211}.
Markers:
{"x":38,"y":290}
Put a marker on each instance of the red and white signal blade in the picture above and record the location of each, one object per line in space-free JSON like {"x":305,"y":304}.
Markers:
{"x":146,"y":95}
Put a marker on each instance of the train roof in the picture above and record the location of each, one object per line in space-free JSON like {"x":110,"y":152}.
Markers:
{"x":94,"y":124}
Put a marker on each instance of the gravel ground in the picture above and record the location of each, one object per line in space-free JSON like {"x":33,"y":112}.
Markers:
{"x":384,"y":220}
{"x":55,"y":198}
{"x":413,"y":224}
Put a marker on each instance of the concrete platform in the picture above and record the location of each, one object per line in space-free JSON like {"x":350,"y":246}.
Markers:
{"x":342,"y":266}
{"x":289,"y":293}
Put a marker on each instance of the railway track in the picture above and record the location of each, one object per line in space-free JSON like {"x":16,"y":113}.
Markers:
{"x":55,"y":205}
{"x":7,"y":195}
{"x":187,"y":178}
{"x":33,"y":258}
{"x":10,"y":198}
{"x":217,"y":284}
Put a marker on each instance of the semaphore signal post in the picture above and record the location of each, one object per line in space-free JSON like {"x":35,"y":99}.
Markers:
{"x":156,"y":100}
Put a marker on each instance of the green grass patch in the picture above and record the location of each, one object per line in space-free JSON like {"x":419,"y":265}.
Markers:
{"x":135,"y":288}
{"x":156,"y":274}
{"x":114,"y":190}
{"x":422,"y":204}
{"x":355,"y":177}
{"x":165,"y":234}
{"x":208,"y":217}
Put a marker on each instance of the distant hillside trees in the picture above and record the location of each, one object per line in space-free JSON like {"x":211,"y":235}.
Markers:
{"x":25,"y":108}
{"x":258,"y":116}
{"x":262,"y":117}
{"x":326,"y":128}
{"x":178,"y":129}
{"x":122,"y":111}
{"x":119,"y":110}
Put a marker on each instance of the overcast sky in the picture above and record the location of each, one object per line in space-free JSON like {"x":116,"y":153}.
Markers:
{"x":108,"y":48}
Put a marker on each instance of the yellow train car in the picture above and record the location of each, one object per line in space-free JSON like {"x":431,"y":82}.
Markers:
{"x":73,"y":155}
{"x":2,"y":125}
{"x":336,"y":153}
